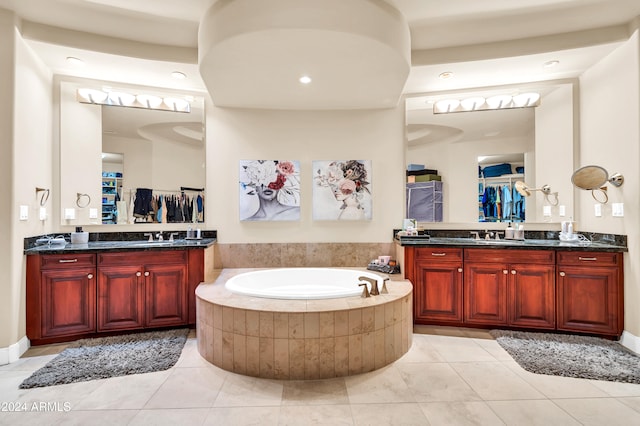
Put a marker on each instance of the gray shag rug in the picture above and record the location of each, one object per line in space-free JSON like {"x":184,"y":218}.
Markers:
{"x":571,"y":356}
{"x":101,"y":358}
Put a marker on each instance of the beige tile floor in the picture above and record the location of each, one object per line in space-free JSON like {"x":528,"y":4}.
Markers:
{"x":448,"y":377}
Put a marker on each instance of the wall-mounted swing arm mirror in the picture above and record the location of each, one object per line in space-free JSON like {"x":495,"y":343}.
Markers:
{"x":524,"y":190}
{"x":594,"y":178}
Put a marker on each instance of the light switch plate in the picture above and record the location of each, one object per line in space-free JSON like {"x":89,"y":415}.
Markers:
{"x":70,"y":214}
{"x":617,"y":209}
{"x":562,"y":211}
{"x":546,"y":211}
{"x":93,"y":213}
{"x":43,"y":213}
{"x":24,"y":212}
{"x":597,"y":210}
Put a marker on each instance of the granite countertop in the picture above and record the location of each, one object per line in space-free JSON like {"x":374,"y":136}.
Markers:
{"x":119,"y":241}
{"x":535,"y":244}
{"x":105,"y":246}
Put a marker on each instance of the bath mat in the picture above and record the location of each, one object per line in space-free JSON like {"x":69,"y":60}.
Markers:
{"x":571,"y":356}
{"x":101,"y":358}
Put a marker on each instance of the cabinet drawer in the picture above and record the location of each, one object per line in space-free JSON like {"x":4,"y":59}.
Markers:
{"x":143,"y":257}
{"x":58,"y":261}
{"x":593,"y":258}
{"x":509,"y":256}
{"x":439,"y":254}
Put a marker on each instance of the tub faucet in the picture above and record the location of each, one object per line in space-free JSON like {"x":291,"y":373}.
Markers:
{"x":374,"y":285}
{"x":384,"y":286}
{"x":365,"y":290}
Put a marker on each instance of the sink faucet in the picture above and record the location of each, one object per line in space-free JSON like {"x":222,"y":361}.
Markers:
{"x":150,"y":236}
{"x":488,"y":235}
{"x":498,"y":235}
{"x":374,"y":285}
{"x":477,"y":235}
{"x":171,"y":236}
{"x":159,"y":236}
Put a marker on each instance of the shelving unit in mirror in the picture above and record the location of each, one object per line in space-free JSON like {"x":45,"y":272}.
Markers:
{"x":111,"y":193}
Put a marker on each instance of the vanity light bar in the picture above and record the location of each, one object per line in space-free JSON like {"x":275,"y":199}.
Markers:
{"x":100,"y":97}
{"x":478,"y":103}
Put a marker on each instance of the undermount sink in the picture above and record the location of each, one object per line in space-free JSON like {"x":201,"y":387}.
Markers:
{"x":152,"y":243}
{"x":472,"y":241}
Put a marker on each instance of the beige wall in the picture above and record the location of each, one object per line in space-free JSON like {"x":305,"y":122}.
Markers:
{"x":234,"y":135}
{"x":27,"y":143}
{"x":610,"y":134}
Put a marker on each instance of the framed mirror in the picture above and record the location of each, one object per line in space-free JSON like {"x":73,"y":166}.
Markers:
{"x":539,"y":139}
{"x":109,"y":152}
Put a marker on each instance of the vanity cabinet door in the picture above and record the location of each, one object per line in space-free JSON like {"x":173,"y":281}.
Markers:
{"x":60,"y":296}
{"x":166,"y":295}
{"x":68,"y":301}
{"x":121,"y":296}
{"x":485,"y":293}
{"x":531,"y":296}
{"x":437,"y":291}
{"x":590,"y":292}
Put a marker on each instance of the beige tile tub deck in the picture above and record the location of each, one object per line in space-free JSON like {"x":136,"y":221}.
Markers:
{"x":302,"y":339}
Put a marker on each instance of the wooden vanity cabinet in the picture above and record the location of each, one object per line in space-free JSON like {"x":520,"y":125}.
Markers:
{"x":437,"y":278}
{"x":509,"y":288}
{"x":61,"y":295}
{"x":142,"y":289}
{"x":590,"y":292}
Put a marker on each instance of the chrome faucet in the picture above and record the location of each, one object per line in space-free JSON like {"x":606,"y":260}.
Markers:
{"x":171,"y":236}
{"x":150,"y":236}
{"x":477,"y":235}
{"x":159,"y":236}
{"x":488,"y":235}
{"x":374,"y":285}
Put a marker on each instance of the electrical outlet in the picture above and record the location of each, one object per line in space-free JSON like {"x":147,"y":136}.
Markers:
{"x":617,"y":209}
{"x":597,"y":210}
{"x":546,"y":211}
{"x":24,"y":212}
{"x":562,"y":211}
{"x":43,"y":213}
{"x":93,"y":213}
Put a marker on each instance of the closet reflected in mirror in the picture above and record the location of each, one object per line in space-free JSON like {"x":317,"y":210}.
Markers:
{"x":498,"y":199}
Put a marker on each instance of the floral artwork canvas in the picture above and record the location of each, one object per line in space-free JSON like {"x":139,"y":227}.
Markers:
{"x":342,"y":190}
{"x":269,"y":190}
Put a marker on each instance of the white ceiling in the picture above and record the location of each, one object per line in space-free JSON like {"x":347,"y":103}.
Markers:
{"x":484,"y":43}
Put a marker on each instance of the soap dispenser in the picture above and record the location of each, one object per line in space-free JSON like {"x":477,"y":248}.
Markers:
{"x":509,"y":232}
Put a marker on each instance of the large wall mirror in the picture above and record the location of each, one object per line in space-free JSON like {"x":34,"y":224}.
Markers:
{"x":111,"y":154}
{"x":536,"y":142}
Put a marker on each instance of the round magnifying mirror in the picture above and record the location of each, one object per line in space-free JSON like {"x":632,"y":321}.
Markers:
{"x":522,"y":188}
{"x":590,"y":177}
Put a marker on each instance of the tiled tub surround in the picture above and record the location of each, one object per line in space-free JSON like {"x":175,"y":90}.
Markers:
{"x":302,"y":339}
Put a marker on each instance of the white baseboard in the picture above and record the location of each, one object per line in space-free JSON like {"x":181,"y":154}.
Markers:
{"x":14,"y":352}
{"x":630,"y":341}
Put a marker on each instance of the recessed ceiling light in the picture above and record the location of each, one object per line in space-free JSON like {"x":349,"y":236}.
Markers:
{"x":305,"y":79}
{"x":77,"y":62}
{"x":445,"y":75}
{"x":551,"y":64}
{"x":178,"y":75}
